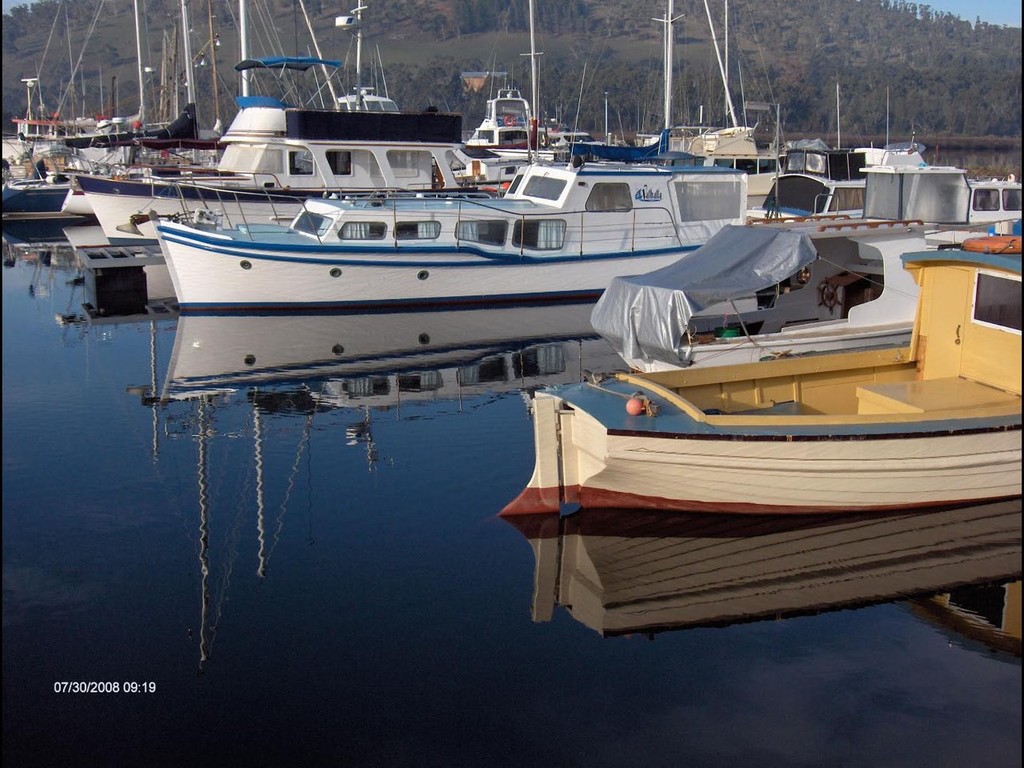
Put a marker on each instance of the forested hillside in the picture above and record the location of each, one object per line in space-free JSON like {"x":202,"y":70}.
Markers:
{"x":895,"y":65}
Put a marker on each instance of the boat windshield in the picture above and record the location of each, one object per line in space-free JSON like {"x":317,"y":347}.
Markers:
{"x":310,"y":223}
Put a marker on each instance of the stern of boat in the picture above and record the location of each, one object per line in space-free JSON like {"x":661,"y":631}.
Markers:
{"x":555,"y":479}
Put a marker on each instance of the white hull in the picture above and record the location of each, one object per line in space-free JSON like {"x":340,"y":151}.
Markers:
{"x":115,"y":212}
{"x":215,"y":278}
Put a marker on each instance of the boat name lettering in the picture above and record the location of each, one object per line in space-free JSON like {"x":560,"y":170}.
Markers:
{"x":647,"y":195}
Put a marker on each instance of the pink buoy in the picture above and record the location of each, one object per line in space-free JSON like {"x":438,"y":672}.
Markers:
{"x":634,"y":406}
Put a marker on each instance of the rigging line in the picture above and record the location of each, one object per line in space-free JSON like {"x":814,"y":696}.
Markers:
{"x":81,"y":53}
{"x":46,"y":49}
{"x":579,"y":101}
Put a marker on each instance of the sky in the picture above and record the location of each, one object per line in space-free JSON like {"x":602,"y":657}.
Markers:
{"x":992,"y":11}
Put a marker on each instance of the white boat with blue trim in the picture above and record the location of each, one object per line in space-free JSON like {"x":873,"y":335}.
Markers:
{"x":934,"y":423}
{"x":560,"y":233}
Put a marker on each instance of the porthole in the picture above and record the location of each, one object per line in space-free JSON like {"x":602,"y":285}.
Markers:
{"x":424,"y":338}
{"x":335,"y":272}
{"x":422,"y":275}
{"x":245,"y":264}
{"x":338,"y":349}
{"x":250,"y":359}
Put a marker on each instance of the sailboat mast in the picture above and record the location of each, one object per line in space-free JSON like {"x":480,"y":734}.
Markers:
{"x":534,"y":89}
{"x":721,"y":68}
{"x":243,"y":37}
{"x":667,"y":55}
{"x":186,"y":48}
{"x":359,"y":56}
{"x":214,"y":43}
{"x":141,"y":70}
{"x":669,"y":39}
{"x":839,"y":138}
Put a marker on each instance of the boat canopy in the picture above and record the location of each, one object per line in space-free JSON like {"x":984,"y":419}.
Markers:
{"x":601,"y":151}
{"x":645,"y":317}
{"x":300,"y":63}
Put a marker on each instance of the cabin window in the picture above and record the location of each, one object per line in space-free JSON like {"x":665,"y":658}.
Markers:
{"x":997,"y":301}
{"x":515,"y":184}
{"x":544,"y":187}
{"x":847,"y":199}
{"x":543,"y":234}
{"x":300,"y":162}
{"x":610,"y":197}
{"x":986,"y":200}
{"x":1011,"y":199}
{"x":363,"y":230}
{"x":417,"y":230}
{"x":489,"y":232}
{"x":767,"y":165}
{"x":746,"y":165}
{"x":815,"y":163}
{"x":404,"y":163}
{"x":512,"y":137}
{"x":244,"y":160}
{"x":340,"y":162}
{"x":703,"y":199}
{"x":311,"y":223}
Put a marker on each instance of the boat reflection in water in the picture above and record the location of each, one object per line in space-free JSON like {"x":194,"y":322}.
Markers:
{"x":639,"y":571}
{"x":313,"y":363}
{"x":381,"y":359}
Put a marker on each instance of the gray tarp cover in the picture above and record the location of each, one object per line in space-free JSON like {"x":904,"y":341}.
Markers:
{"x":644,"y":317}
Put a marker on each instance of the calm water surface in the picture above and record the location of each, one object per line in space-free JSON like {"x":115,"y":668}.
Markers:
{"x":292,"y":556}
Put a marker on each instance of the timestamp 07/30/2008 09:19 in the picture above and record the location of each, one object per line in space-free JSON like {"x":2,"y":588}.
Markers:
{"x":114,"y":686}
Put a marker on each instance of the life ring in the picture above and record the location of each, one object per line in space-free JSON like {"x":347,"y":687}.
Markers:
{"x":828,"y":296}
{"x":992,"y":244}
{"x":509,"y":120}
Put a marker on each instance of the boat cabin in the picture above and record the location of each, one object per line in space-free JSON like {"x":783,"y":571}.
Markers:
{"x":547,"y":211}
{"x":967,"y":337}
{"x":506,"y":123}
{"x":289,"y":148}
{"x":938,"y":194}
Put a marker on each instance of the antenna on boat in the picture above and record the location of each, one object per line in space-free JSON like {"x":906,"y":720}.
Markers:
{"x":355,"y":22}
{"x":29,"y":84}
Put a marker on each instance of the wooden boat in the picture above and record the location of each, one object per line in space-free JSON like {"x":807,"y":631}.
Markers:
{"x":560,"y":233}
{"x":626,"y":571}
{"x":937,"y":422}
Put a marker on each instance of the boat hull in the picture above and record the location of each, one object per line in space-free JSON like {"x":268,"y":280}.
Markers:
{"x":875,"y":465}
{"x":223,"y":275}
{"x":119,"y":204}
